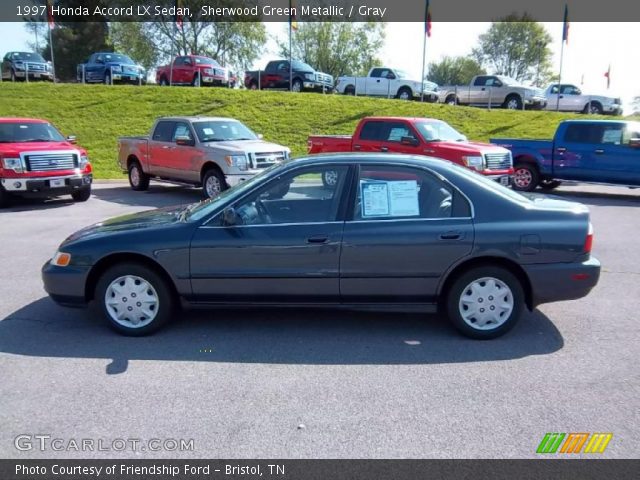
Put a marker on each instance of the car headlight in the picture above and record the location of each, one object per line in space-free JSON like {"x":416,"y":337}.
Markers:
{"x":475,"y":162}
{"x":238,"y":161}
{"x":12,"y":163}
{"x":208,"y":71}
{"x":310,"y":76}
{"x":19,"y":66}
{"x":116,"y":68}
{"x":84,"y":161}
{"x":61,"y":259}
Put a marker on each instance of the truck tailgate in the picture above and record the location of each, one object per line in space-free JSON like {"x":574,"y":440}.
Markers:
{"x":329,"y":143}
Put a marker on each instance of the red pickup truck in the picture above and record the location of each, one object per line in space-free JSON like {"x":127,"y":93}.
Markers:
{"x":37,"y":161}
{"x":193,"y":70}
{"x":418,"y":136}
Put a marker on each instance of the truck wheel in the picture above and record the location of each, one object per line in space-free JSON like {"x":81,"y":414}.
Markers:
{"x":164,"y":82}
{"x":329,"y":178}
{"x":134,"y":299}
{"x":138,"y":180}
{"x":13,"y":75}
{"x":253,"y":86}
{"x":350,"y":90}
{"x":485,"y":302}
{"x":404,"y":93}
{"x":451,"y":100}
{"x":525,"y":178}
{"x":4,"y":198}
{"x":513,"y":102}
{"x":81,"y":195}
{"x":196,"y":80}
{"x":107,"y":79}
{"x":548,"y":184}
{"x":595,"y":108}
{"x":296,"y":86}
{"x":213,"y":183}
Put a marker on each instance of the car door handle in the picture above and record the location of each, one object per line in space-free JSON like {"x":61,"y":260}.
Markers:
{"x":561,"y":149}
{"x":451,"y":236}
{"x":599,"y":151}
{"x":482,"y":89}
{"x":384,"y":149}
{"x":318,"y":239}
{"x":377,"y":81}
{"x":357,"y":147}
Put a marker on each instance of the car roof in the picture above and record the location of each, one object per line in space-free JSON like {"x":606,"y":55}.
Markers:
{"x":199,"y":119}
{"x":582,"y":120}
{"x":375,"y":158}
{"x":20,"y":119}
{"x":410,"y":119}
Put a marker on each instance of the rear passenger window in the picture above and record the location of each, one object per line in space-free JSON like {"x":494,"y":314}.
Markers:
{"x":163,"y":132}
{"x":372,"y":131}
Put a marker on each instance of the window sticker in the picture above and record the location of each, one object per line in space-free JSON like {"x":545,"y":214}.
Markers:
{"x":390,"y":199}
{"x":208,"y":131}
{"x":375,"y":199}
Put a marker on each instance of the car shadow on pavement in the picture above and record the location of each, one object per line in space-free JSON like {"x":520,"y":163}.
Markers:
{"x":28,"y":204}
{"x":622,"y":198}
{"x":157,"y":196}
{"x":282,"y":336}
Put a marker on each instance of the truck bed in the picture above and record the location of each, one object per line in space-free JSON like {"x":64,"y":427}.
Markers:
{"x":523,"y":143}
{"x":329,"y":143}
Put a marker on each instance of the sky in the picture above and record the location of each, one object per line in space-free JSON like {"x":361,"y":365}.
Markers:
{"x":591,"y":49}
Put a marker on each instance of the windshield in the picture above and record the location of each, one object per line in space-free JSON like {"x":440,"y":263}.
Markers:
{"x":206,"y":61}
{"x":302,"y":66}
{"x":435,"y":130}
{"x":401,"y":74}
{"x":197,"y":211}
{"x":117,"y":58}
{"x":509,"y":81}
{"x":222,"y":130}
{"x":31,"y":57}
{"x":21,"y":132}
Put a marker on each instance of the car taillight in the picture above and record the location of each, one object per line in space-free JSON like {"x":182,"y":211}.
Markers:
{"x":588,"y":242}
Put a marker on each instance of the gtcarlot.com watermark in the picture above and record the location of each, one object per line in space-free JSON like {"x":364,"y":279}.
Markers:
{"x":44,"y":443}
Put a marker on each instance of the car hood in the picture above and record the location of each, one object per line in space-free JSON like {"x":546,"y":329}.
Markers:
{"x":9,"y":149}
{"x":132,"y":221}
{"x":249,"y":146}
{"x":471,"y":147}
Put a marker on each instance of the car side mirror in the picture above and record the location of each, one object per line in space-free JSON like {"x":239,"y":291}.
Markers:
{"x":229,"y":217}
{"x":185,"y":141}
{"x":391,"y":76}
{"x":99,"y":60}
{"x":414,"y":142}
{"x":72,"y":139}
{"x":634,"y":142}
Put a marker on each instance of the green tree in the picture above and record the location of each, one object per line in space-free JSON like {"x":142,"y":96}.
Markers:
{"x":132,"y":39}
{"x":38,"y":32}
{"x":337,"y":48}
{"x":454,"y":71}
{"x":518,"y":47}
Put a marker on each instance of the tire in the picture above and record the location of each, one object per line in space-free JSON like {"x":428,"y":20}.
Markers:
{"x":107,"y":79}
{"x":196,"y":80}
{"x":213,"y":183}
{"x":485,"y":302}
{"x":4,"y":198}
{"x":13,"y":76}
{"x":296,"y":86}
{"x":595,"y":108}
{"x":513,"y":102}
{"x":404,"y":94}
{"x":451,"y":100}
{"x":253,"y":86}
{"x":124,"y":284}
{"x":164,"y":82}
{"x":525,"y":177}
{"x":81,"y":195}
{"x":350,"y":90}
{"x":138,"y":180}
{"x":329,"y":178}
{"x":546,"y":184}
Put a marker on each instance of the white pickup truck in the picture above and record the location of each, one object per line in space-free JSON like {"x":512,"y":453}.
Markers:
{"x":387,"y":82}
{"x":573,"y":100}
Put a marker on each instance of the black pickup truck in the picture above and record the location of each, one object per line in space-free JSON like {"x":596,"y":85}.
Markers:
{"x":276,"y":75}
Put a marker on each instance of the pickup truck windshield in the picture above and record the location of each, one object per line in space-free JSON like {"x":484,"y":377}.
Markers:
{"x":401,"y":73}
{"x":509,"y":81}
{"x":26,"y":56}
{"x":222,"y":131}
{"x":117,"y":58}
{"x":206,"y":61}
{"x":301,"y":66}
{"x":19,"y":132}
{"x":434,"y":130}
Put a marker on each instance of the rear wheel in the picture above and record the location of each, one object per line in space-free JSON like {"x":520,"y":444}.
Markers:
{"x":451,"y":100}
{"x":213,"y":183}
{"x":525,"y":178}
{"x":81,"y":195}
{"x":329,"y":178}
{"x":485,"y":302}
{"x":350,"y":90}
{"x":134,"y":299}
{"x":137,"y":178}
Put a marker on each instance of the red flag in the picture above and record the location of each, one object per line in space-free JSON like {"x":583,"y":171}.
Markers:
{"x":427,"y":20}
{"x":607,"y":75}
{"x":565,"y":25}
{"x":50,"y":14}
{"x":179,"y":14}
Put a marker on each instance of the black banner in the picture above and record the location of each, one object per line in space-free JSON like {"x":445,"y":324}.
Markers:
{"x":543,"y":469}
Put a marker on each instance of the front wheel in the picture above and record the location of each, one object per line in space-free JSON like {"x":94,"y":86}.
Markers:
{"x":213,"y":183}
{"x":404,"y":94}
{"x":513,"y":102}
{"x":196,"y":80}
{"x":329,"y":178}
{"x":164,"y":82}
{"x":485,"y":302}
{"x":107,"y":79}
{"x":81,"y":195}
{"x":546,"y":184}
{"x":296,"y":86}
{"x":134,"y":299}
{"x":525,"y":178}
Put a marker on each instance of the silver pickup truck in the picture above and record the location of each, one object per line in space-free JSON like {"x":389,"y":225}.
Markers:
{"x":213,"y":152}
{"x":495,"y":91}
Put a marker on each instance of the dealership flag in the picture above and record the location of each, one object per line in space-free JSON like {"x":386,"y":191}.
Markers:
{"x":50,"y":15}
{"x":565,"y":24}
{"x":178,"y":14}
{"x":607,"y":74}
{"x":427,"y":20}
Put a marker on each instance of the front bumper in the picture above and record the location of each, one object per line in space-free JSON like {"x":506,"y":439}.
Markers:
{"x":556,"y":282}
{"x":612,"y":109}
{"x":126,"y":77}
{"x":46,"y":186}
{"x":66,"y":285}
{"x":36,"y":75}
{"x":501,"y":179}
{"x":214,"y":80}
{"x":537,"y":103}
{"x":317,"y":87}
{"x":235,"y":179}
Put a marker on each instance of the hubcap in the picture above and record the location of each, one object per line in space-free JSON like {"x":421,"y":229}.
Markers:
{"x":404,"y":95}
{"x":131,"y":301}
{"x":135,"y":176}
{"x":451,"y":102}
{"x":594,"y":109}
{"x":331,"y":177}
{"x":296,"y":87}
{"x":522,"y":178}
{"x":513,"y":104}
{"x":486,"y":303}
{"x":212,"y":186}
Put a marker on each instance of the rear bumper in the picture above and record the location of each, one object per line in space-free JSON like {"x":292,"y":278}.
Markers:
{"x":562,"y":281}
{"x":66,"y":285}
{"x":47,"y":186}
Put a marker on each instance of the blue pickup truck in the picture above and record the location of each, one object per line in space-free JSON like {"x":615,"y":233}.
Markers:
{"x":590,"y":151}
{"x":108,"y":68}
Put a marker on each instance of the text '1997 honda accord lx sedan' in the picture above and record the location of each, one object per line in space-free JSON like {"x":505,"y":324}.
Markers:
{"x":393,"y":232}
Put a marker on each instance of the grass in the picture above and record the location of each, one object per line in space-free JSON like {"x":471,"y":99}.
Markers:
{"x":99,"y":114}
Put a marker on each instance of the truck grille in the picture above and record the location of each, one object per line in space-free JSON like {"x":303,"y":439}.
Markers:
{"x":324,"y":78}
{"x":36,"y":67}
{"x":266,"y":159}
{"x":45,"y":162}
{"x":498,"y":161}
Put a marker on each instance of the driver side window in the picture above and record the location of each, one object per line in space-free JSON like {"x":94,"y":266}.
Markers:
{"x":308,"y":195}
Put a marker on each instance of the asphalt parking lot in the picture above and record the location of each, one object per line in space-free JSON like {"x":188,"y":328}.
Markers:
{"x":317,"y":384}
